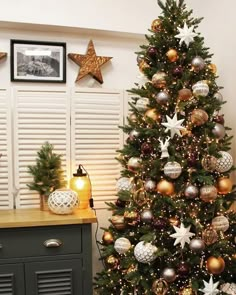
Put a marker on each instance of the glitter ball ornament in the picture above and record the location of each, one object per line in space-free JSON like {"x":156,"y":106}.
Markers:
{"x":160,"y":223}
{"x":122,"y":245}
{"x":209,"y":163}
{"x":111,"y":262}
{"x":183,"y":269}
{"x":209,"y":236}
{"x":199,"y":117}
{"x":224,"y":185}
{"x":197,"y":245}
{"x":228,"y":288}
{"x":159,"y":80}
{"x":160,"y":287}
{"x":198,"y":64}
{"x":152,"y":52}
{"x":200,"y":89}
{"x":162,"y":97}
{"x":191,"y":191}
{"x":172,"y":55}
{"x":215,"y":265}
{"x":141,"y":104}
{"x":152,"y":114}
{"x":208,"y":193}
{"x":118,"y":222}
{"x":124,"y":184}
{"x":146,"y":148}
{"x":107,"y":238}
{"x":169,"y":274}
{"x":120,"y":203}
{"x":184,"y":94}
{"x":220,"y":223}
{"x":150,"y":185}
{"x":165,"y":187}
{"x":224,"y":163}
{"x":63,"y":201}
{"x":146,"y":216}
{"x":219,"y":131}
{"x":134,"y":164}
{"x":172,"y":169}
{"x":177,"y":72}
{"x":218,"y":96}
{"x":156,"y":25}
{"x":145,"y":252}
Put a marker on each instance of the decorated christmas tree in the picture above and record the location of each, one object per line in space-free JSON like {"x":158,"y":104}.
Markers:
{"x":173,"y":227}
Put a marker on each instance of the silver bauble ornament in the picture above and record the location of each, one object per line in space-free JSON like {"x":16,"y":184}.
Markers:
{"x":208,"y":193}
{"x":146,"y":216}
{"x":122,"y":245}
{"x":197,"y":245}
{"x":145,"y":252}
{"x":198,"y":63}
{"x":220,"y":223}
{"x":200,"y":89}
{"x":150,"y":185}
{"x":172,"y":169}
{"x":191,"y":191}
{"x":134,"y":163}
{"x":219,"y":131}
{"x":169,"y":274}
{"x":162,"y":97}
{"x":124,"y":183}
{"x":218,"y":96}
{"x":224,"y":163}
{"x":141,"y":104}
{"x":133,"y":135}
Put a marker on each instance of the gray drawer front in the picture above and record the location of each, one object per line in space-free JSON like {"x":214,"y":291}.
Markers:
{"x":30,"y":242}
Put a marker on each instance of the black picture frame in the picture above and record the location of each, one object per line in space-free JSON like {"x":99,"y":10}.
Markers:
{"x":38,"y":61}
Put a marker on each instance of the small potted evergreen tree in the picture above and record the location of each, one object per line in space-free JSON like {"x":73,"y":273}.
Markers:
{"x":47,"y":173}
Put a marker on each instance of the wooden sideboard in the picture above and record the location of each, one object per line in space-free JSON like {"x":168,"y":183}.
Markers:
{"x":44,"y":253}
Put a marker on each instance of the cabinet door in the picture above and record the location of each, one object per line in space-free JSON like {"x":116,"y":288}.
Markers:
{"x":62,"y":277}
{"x":12,"y":279}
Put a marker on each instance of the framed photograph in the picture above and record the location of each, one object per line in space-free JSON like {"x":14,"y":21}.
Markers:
{"x":34,"y":61}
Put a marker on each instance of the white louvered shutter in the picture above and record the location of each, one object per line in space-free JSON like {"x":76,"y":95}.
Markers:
{"x":6,"y":189}
{"x":40,"y":115}
{"x":95,"y":117}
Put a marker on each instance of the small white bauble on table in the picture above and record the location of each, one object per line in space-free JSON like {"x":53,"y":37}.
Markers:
{"x":63,"y":201}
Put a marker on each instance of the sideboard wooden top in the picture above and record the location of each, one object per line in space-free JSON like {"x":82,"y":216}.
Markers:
{"x":35,"y":217}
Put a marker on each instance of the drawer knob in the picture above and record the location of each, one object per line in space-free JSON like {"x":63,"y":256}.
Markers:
{"x":52,"y":243}
{"x":1,"y":246}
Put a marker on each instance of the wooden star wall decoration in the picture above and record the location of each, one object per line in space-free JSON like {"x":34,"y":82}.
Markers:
{"x":2,"y":55}
{"x":89,"y":63}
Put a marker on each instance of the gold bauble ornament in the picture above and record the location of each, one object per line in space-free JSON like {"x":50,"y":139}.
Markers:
{"x":143,"y":65}
{"x":159,"y":287}
{"x":107,"y":238}
{"x":208,"y":193}
{"x":118,"y":222}
{"x":215,"y":265}
{"x":156,"y":25}
{"x":209,"y":163}
{"x":159,"y":80}
{"x":172,"y":55}
{"x":224,"y":185}
{"x":165,"y":187}
{"x":209,"y":236}
{"x":199,"y":117}
{"x":187,"y":291}
{"x":112,"y":262}
{"x":184,"y":94}
{"x":131,"y":217}
{"x":213,"y":68}
{"x":152,"y":114}
{"x":174,"y":221}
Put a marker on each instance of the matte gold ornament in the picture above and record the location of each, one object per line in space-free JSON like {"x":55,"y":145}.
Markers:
{"x":141,"y":104}
{"x":224,"y":185}
{"x":209,"y":163}
{"x":143,"y":65}
{"x":131,"y":217}
{"x":112,"y":262}
{"x":198,"y":64}
{"x":187,"y":291}
{"x":209,"y":236}
{"x":122,"y":245}
{"x":165,"y":187}
{"x":159,"y":80}
{"x":153,"y":114}
{"x":208,"y":193}
{"x":134,"y":164}
{"x":160,"y":287}
{"x":107,"y":238}
{"x":89,"y":63}
{"x":220,"y":223}
{"x":156,"y":25}
{"x":172,"y":169}
{"x":169,"y":274}
{"x":224,"y":163}
{"x":185,"y":94}
{"x":174,"y":221}
{"x":118,"y":222}
{"x":199,"y":117}
{"x":172,"y":55}
{"x":200,"y":89}
{"x":213,"y":68}
{"x":215,"y":265}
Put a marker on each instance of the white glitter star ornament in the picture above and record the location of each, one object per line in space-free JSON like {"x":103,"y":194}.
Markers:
{"x":186,"y":35}
{"x":182,"y":235}
{"x":210,"y":288}
{"x":173,"y":125}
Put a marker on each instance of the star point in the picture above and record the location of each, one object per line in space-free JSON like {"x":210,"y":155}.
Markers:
{"x":173,"y":125}
{"x":186,"y":35}
{"x":89,"y":63}
{"x":182,"y":235}
{"x":210,"y":288}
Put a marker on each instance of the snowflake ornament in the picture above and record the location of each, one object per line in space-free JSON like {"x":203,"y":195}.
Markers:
{"x":182,"y":235}
{"x":210,"y":288}
{"x":186,"y":35}
{"x":173,"y":125}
